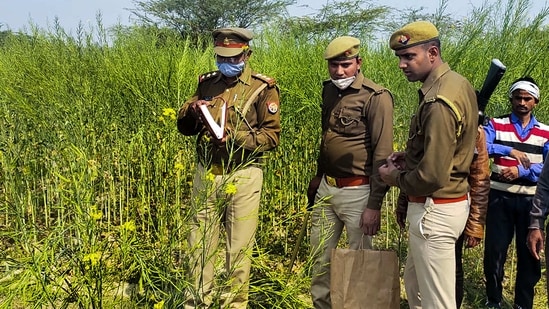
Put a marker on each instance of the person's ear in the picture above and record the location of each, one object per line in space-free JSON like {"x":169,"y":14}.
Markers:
{"x":433,"y":52}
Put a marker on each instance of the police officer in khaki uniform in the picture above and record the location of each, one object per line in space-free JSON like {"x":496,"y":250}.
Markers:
{"x":228,"y":173}
{"x":357,"y":137}
{"x":432,"y":173}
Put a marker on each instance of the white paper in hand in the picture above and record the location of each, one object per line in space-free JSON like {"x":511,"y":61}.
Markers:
{"x":218,"y":130}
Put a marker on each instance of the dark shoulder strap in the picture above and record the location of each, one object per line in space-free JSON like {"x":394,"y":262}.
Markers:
{"x":207,"y":76}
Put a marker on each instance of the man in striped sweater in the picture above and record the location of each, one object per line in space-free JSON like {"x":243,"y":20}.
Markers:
{"x":518,"y":143}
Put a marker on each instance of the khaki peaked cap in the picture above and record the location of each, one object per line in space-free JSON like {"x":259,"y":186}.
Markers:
{"x":230,"y":42}
{"x":344,"y":47}
{"x":413,"y":34}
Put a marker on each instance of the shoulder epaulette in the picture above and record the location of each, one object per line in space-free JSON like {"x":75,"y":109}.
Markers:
{"x":207,"y":76}
{"x":453,"y":108}
{"x":367,"y":83}
{"x":376,"y":90}
{"x":271,"y":82}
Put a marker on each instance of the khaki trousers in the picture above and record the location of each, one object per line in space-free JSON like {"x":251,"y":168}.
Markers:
{"x":343,"y":207}
{"x":214,"y":205}
{"x":429,"y":276}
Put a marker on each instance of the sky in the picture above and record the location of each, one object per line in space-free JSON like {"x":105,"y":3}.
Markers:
{"x":17,"y":15}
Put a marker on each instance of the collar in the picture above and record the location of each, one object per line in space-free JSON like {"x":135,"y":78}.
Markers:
{"x":434,"y":76}
{"x":532,"y":123}
{"x":357,"y":83}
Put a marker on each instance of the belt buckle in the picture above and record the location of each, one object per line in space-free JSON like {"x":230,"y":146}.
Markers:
{"x":331,"y":181}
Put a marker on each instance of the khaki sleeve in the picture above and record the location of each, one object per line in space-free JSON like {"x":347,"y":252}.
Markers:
{"x":380,"y":126}
{"x":434,"y":169}
{"x":186,"y":123}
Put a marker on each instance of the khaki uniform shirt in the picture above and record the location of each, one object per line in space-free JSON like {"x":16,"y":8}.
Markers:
{"x":357,"y":133}
{"x":256,"y":131}
{"x":440,"y":150}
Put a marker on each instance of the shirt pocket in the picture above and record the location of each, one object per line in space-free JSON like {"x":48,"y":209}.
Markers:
{"x":348,"y":121}
{"x":415,"y":129}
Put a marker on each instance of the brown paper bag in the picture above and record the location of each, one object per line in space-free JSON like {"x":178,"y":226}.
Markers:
{"x":364,"y":279}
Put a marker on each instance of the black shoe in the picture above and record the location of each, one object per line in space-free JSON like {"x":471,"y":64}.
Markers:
{"x":517,"y":307}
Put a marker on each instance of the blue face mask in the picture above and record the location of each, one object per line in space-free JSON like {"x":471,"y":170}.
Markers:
{"x":230,"y":69}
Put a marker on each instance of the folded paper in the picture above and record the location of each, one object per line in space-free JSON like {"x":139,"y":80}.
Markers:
{"x":217,"y":130}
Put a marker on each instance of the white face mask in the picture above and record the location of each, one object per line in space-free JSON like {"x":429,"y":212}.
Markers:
{"x":344,"y":82}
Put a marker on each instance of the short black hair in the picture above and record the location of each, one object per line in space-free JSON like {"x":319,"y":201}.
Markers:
{"x":525,"y":78}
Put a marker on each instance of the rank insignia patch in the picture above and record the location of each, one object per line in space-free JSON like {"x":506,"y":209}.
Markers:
{"x":273,"y":107}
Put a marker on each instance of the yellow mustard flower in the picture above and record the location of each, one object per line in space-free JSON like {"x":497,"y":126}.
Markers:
{"x":230,"y":189}
{"x":179,"y":166}
{"x":210,"y":177}
{"x":206,"y":138}
{"x":169,"y":112}
{"x":95,"y":214}
{"x":128,"y":226}
{"x":93,"y":258}
{"x":159,"y":305}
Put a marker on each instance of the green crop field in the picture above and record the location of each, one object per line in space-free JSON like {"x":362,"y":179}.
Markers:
{"x":95,"y":179}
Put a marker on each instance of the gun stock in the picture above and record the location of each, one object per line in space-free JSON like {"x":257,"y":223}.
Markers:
{"x":495,"y":73}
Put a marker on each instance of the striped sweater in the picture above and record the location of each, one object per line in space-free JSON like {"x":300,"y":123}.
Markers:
{"x":532,"y":145}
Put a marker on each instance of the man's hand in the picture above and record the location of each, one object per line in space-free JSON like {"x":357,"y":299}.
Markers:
{"x":194,"y":108}
{"x":534,"y":242}
{"x":394,"y":162}
{"x":471,"y":242}
{"x":311,"y":191}
{"x":521,"y":157}
{"x":398,"y":159}
{"x":370,"y":221}
{"x":385,"y":173}
{"x":509,"y":173}
{"x":220,"y":143}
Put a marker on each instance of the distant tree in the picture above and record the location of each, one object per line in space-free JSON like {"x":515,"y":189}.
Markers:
{"x":359,"y":18}
{"x":4,"y":35}
{"x":365,"y":19}
{"x":7,"y":35}
{"x":194,"y":19}
{"x":445,"y":22}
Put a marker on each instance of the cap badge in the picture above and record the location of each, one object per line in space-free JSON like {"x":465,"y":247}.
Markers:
{"x":226,"y":41}
{"x":403,"y":39}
